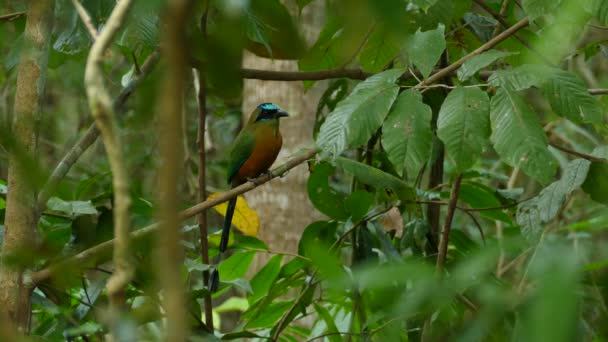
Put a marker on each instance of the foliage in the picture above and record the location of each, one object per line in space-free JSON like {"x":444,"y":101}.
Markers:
{"x":517,"y":123}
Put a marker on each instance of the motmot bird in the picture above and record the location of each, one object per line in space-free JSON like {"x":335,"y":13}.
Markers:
{"x":254,"y":150}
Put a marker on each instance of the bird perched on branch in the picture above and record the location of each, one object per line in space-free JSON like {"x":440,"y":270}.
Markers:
{"x":254,"y":150}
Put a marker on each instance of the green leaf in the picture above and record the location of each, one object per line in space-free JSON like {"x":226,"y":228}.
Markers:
{"x":325,"y":53}
{"x":2,"y":203}
{"x":359,"y":115}
{"x":57,"y":231}
{"x":268,"y":316}
{"x":3,"y":187}
{"x":482,"y":26}
{"x":406,"y":133}
{"x":424,"y":4}
{"x":425,"y":49}
{"x":319,"y":234}
{"x":521,"y":77}
{"x":263,"y":279}
{"x":472,"y":65}
{"x":596,"y":184}
{"x":463,"y":125}
{"x":370,"y":175}
{"x":379,"y":50}
{"x":600,"y":11}
{"x":538,"y":8}
{"x":358,"y":203}
{"x":240,"y":335}
{"x":478,"y":195}
{"x":73,"y":208}
{"x":329,"y":322}
{"x":235,"y":266}
{"x":569,"y":98}
{"x":544,"y":207}
{"x":324,"y":197}
{"x":518,"y":137}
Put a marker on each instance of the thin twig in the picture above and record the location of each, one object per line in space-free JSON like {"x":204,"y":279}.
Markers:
{"x":12,"y":16}
{"x":579,"y":154}
{"x":86,"y":19}
{"x":447,"y":226}
{"x":501,"y":14}
{"x":202,"y":165}
{"x":76,"y":151}
{"x":98,"y":253}
{"x":102,"y":111}
{"x":504,"y":23}
{"x":272,"y":75}
{"x":488,"y":45}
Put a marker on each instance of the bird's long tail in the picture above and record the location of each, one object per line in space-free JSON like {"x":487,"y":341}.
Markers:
{"x":215,"y":277}
{"x":227,"y":225}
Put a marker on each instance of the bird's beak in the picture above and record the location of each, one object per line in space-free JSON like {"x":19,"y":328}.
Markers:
{"x":282,"y":113}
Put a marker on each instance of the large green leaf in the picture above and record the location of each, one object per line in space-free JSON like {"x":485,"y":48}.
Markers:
{"x":359,"y":115}
{"x":599,"y":9}
{"x":478,"y":195}
{"x":424,"y":4}
{"x":235,"y":266}
{"x":596,"y":184}
{"x":537,"y":8}
{"x":463,"y":125}
{"x":379,"y":50}
{"x":569,"y":98}
{"x":263,"y":279}
{"x":425,"y":49}
{"x":544,"y":207}
{"x":518,"y":137}
{"x":322,"y":195}
{"x":407,"y":135}
{"x":472,"y":65}
{"x":521,"y":77}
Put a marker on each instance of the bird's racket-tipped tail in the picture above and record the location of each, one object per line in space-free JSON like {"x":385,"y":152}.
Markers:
{"x":214,"y":278}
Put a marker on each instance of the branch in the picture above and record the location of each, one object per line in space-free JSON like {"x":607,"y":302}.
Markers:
{"x":579,"y":154}
{"x":100,"y":252}
{"x":170,"y":250}
{"x":70,"y":158}
{"x":86,"y":19}
{"x":490,"y":44}
{"x":201,"y":87}
{"x":447,"y":226}
{"x":501,"y":15}
{"x":12,"y":16}
{"x":598,"y":91}
{"x":103,"y":112}
{"x":271,"y":75}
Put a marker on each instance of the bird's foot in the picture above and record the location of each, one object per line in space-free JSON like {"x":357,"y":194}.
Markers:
{"x":257,"y":181}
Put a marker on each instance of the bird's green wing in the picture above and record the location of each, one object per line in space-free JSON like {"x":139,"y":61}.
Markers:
{"x":241,"y":151}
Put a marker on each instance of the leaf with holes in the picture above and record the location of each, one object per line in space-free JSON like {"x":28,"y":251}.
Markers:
{"x":544,"y":207}
{"x":407,"y":135}
{"x":518,"y":137}
{"x":359,"y":115}
{"x":463,"y":125}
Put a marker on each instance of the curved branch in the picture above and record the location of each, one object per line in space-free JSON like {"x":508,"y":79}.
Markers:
{"x":103,"y":112}
{"x":70,"y":158}
{"x":100,"y":252}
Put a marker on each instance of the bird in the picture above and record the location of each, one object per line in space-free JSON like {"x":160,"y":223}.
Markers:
{"x":252,"y":153}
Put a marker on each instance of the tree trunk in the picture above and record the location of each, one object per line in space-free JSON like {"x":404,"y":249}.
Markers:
{"x":20,"y":220}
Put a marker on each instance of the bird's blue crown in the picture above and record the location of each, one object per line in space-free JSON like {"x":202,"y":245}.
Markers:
{"x":268,"y":106}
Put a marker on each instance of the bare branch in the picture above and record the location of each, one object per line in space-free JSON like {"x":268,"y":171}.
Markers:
{"x":201,"y":89}
{"x":447,"y":226}
{"x":170,"y":251}
{"x":579,"y":154}
{"x":271,"y":75}
{"x":86,"y":19}
{"x":103,"y":112}
{"x":501,"y":14}
{"x":490,"y":44}
{"x":70,"y":158}
{"x":99,"y":253}
{"x":12,"y":16}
